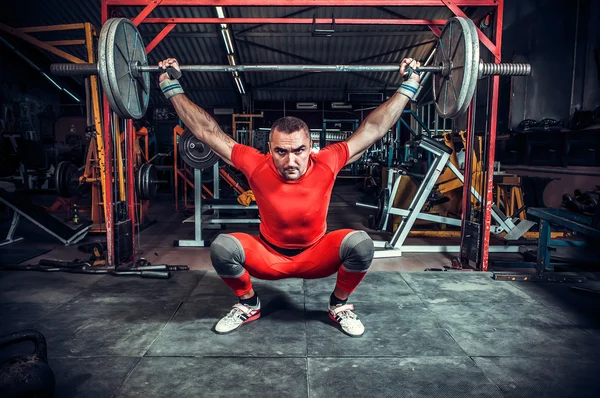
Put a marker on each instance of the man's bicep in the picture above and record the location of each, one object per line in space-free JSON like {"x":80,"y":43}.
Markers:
{"x":358,"y":143}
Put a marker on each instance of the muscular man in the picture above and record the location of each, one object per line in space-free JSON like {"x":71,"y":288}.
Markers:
{"x":292,"y":186}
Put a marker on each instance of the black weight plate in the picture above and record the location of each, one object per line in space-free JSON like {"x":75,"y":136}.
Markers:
{"x":195,"y":153}
{"x":57,"y":179}
{"x":138,"y":182}
{"x":72,"y":179}
{"x":383,"y":203}
{"x":146,"y":184}
{"x":66,"y":179}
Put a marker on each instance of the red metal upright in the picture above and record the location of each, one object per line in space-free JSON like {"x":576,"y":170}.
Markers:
{"x":129,"y":143}
{"x":109,"y":210}
{"x":491,"y":145}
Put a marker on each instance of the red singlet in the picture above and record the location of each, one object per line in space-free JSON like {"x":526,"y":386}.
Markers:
{"x":293,"y":214}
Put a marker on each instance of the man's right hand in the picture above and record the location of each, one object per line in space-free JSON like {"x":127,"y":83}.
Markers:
{"x":169,"y":62}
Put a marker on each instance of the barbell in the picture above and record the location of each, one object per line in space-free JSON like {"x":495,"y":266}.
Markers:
{"x":67,"y":180}
{"x":124,"y":71}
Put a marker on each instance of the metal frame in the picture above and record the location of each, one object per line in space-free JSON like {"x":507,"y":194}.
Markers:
{"x":396,"y":244}
{"x":11,"y":232}
{"x":453,"y":5}
{"x":563,"y":218}
{"x":212,"y":222}
{"x":76,"y":237}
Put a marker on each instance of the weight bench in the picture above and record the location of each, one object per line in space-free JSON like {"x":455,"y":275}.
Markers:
{"x":215,"y":204}
{"x":395,"y":246}
{"x":23,"y":207}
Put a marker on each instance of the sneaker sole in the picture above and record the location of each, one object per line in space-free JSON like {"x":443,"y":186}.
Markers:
{"x":342,"y":329}
{"x":252,"y":318}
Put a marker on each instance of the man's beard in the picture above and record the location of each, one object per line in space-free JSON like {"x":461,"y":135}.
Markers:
{"x":291,"y":177}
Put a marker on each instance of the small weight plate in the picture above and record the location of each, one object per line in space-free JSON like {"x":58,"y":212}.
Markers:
{"x":150,"y":178}
{"x":127,"y":92}
{"x":455,"y":47}
{"x":146,"y":181}
{"x":383,"y":203}
{"x":66,"y":179}
{"x":195,"y":153}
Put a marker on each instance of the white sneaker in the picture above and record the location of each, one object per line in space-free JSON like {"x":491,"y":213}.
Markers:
{"x":239,"y":315}
{"x":342,"y":314}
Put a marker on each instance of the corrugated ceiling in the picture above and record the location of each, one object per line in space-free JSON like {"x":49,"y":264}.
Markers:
{"x":261,"y":44}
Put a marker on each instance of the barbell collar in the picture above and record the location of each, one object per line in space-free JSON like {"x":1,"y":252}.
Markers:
{"x":74,"y":69}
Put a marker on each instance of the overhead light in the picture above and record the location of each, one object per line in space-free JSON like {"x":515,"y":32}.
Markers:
{"x":227,"y":39}
{"x":231,"y":59}
{"x":223,"y":111}
{"x":340,"y":105}
{"x":306,"y":105}
{"x":240,"y":86}
{"x":72,"y":95}
{"x":52,"y":81}
{"x":220,"y":12}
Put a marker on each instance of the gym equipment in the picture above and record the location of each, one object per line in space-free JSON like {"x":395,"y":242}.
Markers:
{"x":66,"y":179}
{"x":215,"y":205}
{"x":28,"y":376}
{"x":441,"y":160}
{"x":125,"y":73}
{"x":195,"y":153}
{"x":24,"y":207}
{"x":147,"y":181}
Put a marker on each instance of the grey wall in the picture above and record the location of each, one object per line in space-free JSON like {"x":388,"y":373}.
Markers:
{"x":558,"y":38}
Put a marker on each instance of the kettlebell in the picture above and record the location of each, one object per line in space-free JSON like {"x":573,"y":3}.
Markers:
{"x":28,"y":376}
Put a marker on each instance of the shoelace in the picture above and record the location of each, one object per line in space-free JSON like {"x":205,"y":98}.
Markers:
{"x":234,"y":313}
{"x":347,"y":314}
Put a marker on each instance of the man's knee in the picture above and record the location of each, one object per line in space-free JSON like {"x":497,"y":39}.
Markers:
{"x":356,"y":251}
{"x":227,"y":256}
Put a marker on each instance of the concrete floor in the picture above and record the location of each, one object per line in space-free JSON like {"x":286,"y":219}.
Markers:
{"x":427,"y":333}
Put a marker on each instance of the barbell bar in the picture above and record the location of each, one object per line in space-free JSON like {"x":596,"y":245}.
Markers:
{"x":485,"y":69}
{"x":124,"y":71}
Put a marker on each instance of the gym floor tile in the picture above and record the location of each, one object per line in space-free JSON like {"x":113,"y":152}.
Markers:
{"x":217,"y":377}
{"x":42,"y":287}
{"x":19,"y":316}
{"x":398,"y":377}
{"x":390,"y":330}
{"x":130,"y":290}
{"x":441,"y":287}
{"x":376,"y":287}
{"x":83,"y":327}
{"x":279,"y":332}
{"x":90,"y":377}
{"x":521,"y":329}
{"x":542,"y":377}
{"x":580,"y":308}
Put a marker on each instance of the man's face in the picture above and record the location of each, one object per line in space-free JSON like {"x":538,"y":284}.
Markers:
{"x":290,"y":153}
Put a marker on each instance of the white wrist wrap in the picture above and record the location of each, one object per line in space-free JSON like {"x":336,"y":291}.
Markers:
{"x":409,"y":88}
{"x":171,"y":87}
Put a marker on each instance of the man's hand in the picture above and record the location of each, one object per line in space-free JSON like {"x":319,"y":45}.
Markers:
{"x":406,"y":62}
{"x":169,"y":62}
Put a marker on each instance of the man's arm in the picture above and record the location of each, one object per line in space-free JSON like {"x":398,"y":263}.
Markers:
{"x":378,"y":123}
{"x":200,"y":123}
{"x":203,"y":126}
